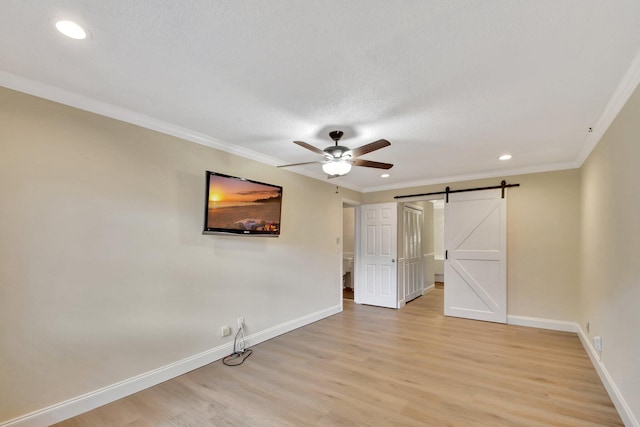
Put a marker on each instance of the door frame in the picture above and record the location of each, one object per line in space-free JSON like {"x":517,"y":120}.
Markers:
{"x":351,"y":204}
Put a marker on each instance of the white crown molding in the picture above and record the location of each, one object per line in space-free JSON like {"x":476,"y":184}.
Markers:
{"x":85,"y":103}
{"x":623,"y":92}
{"x":41,"y":90}
{"x":625,"y":89}
{"x":473,"y":176}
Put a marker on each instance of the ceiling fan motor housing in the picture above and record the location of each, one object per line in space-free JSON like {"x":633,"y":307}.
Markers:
{"x":338,"y":152}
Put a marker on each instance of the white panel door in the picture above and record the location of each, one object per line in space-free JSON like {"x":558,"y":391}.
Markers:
{"x":475,"y":267}
{"x":377,"y":274}
{"x":413,"y":253}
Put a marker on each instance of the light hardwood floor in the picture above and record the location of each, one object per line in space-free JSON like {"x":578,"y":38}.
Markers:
{"x":372,"y":366}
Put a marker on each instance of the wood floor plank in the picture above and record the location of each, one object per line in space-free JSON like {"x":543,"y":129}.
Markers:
{"x":380,"y":367}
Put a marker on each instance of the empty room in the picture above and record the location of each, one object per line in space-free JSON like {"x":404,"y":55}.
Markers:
{"x":294,"y":213}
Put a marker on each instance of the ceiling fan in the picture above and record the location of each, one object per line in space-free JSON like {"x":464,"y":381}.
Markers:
{"x":338,"y":159}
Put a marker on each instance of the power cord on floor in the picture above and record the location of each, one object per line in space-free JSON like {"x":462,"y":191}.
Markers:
{"x":240,"y":352}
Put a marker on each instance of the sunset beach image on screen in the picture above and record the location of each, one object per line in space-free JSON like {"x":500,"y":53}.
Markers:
{"x":241,"y":206}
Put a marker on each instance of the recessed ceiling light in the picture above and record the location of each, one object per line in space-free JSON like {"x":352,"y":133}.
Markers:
{"x":505,"y":157}
{"x":385,"y":175}
{"x":71,"y":29}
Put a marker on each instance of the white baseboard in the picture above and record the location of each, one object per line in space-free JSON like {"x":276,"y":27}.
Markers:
{"x":536,"y":322}
{"x":628,"y":418}
{"x":560,"y":325}
{"x":92,"y":400}
{"x":428,"y":289}
{"x":86,"y":402}
{"x":283,"y":328}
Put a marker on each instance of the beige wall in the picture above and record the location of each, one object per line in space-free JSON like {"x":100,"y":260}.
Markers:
{"x":104,"y":271}
{"x":610,"y":291}
{"x":438,"y":238}
{"x":438,"y":231}
{"x":543,"y":240}
{"x":427,"y":242}
{"x":427,"y":226}
{"x":348,"y":232}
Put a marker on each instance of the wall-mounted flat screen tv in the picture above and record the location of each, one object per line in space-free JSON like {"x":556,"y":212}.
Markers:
{"x":236,"y":205}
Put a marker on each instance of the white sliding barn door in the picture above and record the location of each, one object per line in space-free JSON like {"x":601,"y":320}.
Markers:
{"x":377,"y":274}
{"x":413,"y":255}
{"x":475,"y":267}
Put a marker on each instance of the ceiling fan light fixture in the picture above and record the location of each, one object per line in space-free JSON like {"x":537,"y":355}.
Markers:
{"x":336,"y":168}
{"x":338,"y":159}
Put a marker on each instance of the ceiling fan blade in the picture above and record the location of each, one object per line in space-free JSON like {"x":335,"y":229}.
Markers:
{"x":309,"y":147}
{"x":373,"y":146}
{"x":298,"y":164}
{"x":370,"y":164}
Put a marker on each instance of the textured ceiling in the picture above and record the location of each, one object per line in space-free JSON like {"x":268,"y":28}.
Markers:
{"x":452,"y":84}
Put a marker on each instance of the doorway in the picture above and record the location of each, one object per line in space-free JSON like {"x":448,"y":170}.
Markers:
{"x":429,"y":236}
{"x":438,"y":243}
{"x":393,"y":260}
{"x":348,"y":249}
{"x":474,"y":238}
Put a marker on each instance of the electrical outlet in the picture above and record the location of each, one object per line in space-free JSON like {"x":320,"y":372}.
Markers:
{"x":597,"y":343}
{"x":225,"y":330}
{"x":240,"y":322}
